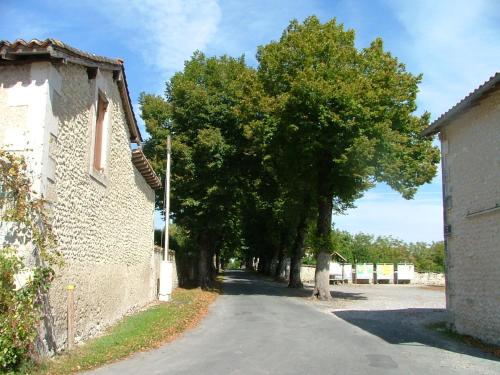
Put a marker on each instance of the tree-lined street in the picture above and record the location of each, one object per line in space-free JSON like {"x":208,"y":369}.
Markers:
{"x":263,"y":157}
{"x":262,"y":327}
{"x":191,"y":210}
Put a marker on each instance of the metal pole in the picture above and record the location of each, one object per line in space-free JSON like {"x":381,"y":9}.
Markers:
{"x":167,"y":197}
{"x":166,"y":266}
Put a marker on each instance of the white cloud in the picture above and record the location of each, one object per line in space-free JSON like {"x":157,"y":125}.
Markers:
{"x":164,"y":32}
{"x":454,"y":43}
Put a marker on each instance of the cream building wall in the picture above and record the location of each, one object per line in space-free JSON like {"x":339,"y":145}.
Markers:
{"x":104,"y":226}
{"x":471,"y":176}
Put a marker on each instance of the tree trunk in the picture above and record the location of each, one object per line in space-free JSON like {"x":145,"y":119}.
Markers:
{"x":261,"y":267}
{"x":324,"y":227}
{"x":249,"y":263}
{"x":297,"y":254}
{"x":279,"y":265}
{"x":212,"y":267}
{"x":217,"y":261}
{"x":322,"y":277}
{"x":204,"y":278}
{"x":273,"y":266}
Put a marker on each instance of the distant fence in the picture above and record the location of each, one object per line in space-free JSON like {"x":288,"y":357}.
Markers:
{"x":408,"y":276}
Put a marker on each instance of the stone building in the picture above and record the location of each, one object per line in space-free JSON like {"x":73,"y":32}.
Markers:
{"x":69,"y":113}
{"x":470,"y":147}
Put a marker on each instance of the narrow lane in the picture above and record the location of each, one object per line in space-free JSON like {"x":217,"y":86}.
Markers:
{"x":260,"y":327}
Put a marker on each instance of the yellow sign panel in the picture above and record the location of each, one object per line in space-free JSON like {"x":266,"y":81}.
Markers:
{"x":385,"y":271}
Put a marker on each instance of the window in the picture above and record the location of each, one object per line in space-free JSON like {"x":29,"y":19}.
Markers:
{"x":100,"y":128}
{"x":102,"y":105}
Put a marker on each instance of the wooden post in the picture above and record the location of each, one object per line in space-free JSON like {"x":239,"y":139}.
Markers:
{"x":71,"y":316}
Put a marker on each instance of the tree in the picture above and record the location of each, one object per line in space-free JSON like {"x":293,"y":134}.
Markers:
{"x":212,"y":108}
{"x":349,"y":115}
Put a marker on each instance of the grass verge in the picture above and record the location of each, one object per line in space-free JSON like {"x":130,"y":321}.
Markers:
{"x":142,"y":331}
{"x":443,"y":329}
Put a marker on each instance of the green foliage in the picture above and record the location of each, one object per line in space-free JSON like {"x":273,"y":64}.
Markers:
{"x":347,"y":114}
{"x":258,"y":153}
{"x":212,"y":109}
{"x":20,"y":305}
{"x":233,"y":264}
{"x":428,"y":258}
{"x":366,"y":248}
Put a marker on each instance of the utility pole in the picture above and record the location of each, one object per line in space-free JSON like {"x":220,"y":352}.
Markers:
{"x":167,"y":197}
{"x":166,"y":266}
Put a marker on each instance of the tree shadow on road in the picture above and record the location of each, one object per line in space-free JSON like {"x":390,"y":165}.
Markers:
{"x":409,"y":327}
{"x":251,"y":283}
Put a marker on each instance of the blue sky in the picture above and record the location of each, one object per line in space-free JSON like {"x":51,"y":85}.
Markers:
{"x":453,"y":43}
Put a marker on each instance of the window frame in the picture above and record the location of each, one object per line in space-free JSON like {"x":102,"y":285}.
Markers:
{"x":100,"y":126}
{"x":99,"y":138}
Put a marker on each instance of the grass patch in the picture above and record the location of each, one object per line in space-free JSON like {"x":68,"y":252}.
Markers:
{"x":142,"y":331}
{"x":442,"y":328}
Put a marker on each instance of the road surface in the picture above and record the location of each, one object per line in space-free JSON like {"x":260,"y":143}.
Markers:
{"x":262,"y":327}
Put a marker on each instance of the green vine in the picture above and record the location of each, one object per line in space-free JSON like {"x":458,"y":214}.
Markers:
{"x":22,"y":211}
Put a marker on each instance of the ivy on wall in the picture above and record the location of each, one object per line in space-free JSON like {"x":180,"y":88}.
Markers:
{"x":22,"y":211}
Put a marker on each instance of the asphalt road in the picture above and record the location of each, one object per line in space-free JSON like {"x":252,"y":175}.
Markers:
{"x":261,"y":327}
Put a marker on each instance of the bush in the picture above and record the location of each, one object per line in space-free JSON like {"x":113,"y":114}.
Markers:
{"x":20,"y":305}
{"x":19,"y":314}
{"x":365,"y":248}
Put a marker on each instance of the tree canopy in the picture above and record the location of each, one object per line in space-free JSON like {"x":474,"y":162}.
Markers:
{"x":351,"y":112}
{"x":261,"y":156}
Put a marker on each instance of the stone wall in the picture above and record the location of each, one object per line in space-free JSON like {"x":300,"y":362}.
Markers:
{"x":175,"y":276}
{"x":104,"y":231}
{"x":104,"y":226}
{"x":429,"y":278}
{"x":157,"y":259}
{"x":424,"y":278}
{"x":471,"y":175}
{"x":25,"y":115}
{"x":307,"y":274}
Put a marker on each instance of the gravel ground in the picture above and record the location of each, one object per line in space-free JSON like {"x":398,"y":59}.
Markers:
{"x":387,"y":297}
{"x":413,"y":305}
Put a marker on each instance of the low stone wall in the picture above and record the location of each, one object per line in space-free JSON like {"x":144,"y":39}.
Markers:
{"x":307,"y":274}
{"x":429,"y":278}
{"x":420,"y":278}
{"x":156,"y":267}
{"x":175,"y":277}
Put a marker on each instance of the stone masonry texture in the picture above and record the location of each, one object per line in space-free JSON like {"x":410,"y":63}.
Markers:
{"x":104,"y":231}
{"x":471,"y":171}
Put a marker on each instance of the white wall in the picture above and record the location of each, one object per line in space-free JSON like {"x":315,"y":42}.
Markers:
{"x":471,"y":151}
{"x":104,"y":230}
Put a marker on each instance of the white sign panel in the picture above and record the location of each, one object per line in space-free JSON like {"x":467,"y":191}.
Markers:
{"x":364,"y":271}
{"x":406,"y":271}
{"x":346,"y":272}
